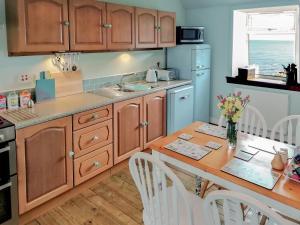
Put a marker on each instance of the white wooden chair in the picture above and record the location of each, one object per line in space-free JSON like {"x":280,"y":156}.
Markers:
{"x":224,"y":207}
{"x":165,"y":199}
{"x":287,"y":130}
{"x":251,"y":122}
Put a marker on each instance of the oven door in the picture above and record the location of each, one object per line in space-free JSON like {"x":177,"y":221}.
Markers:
{"x":9,"y":203}
{"x":191,"y":35}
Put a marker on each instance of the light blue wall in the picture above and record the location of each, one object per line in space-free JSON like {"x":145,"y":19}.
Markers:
{"x":218,"y":23}
{"x":92,"y":65}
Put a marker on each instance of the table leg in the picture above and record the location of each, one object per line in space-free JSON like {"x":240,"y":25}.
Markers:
{"x":198,"y":185}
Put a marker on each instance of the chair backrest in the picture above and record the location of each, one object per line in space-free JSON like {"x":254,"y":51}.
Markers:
{"x":287,"y":130}
{"x":233,"y":208}
{"x":161,"y":191}
{"x":251,"y":122}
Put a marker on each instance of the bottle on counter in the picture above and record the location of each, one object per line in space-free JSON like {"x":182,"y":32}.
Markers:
{"x":12,"y":101}
{"x":25,"y":97}
{"x":2,"y":103}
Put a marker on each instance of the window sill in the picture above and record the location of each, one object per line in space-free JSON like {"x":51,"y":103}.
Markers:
{"x":275,"y":84}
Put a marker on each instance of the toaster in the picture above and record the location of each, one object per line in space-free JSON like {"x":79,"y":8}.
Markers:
{"x":167,"y":75}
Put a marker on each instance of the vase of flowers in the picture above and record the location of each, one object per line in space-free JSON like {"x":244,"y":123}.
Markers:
{"x":231,"y":108}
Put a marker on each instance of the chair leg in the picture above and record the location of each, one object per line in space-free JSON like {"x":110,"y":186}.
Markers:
{"x":203,"y":188}
{"x":198,"y":185}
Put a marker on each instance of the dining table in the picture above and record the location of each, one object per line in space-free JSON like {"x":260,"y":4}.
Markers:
{"x":283,"y":197}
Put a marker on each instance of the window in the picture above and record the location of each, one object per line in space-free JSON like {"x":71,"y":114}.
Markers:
{"x":266,"y":39}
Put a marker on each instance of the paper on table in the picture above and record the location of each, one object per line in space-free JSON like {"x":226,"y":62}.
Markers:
{"x":212,"y":130}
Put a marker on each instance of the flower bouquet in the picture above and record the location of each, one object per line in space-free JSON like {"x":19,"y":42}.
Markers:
{"x":231,"y":108}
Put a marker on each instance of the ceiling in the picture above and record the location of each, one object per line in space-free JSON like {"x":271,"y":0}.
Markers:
{"x":205,"y":3}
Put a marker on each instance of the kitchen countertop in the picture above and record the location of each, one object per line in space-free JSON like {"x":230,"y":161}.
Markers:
{"x":66,"y":106}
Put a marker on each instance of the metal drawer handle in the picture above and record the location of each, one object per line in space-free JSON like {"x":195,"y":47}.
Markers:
{"x":5,"y":186}
{"x":184,"y":97}
{"x":97,"y":164}
{"x":95,"y":116}
{"x":95,"y":138}
{"x":6,"y":149}
{"x":2,"y":137}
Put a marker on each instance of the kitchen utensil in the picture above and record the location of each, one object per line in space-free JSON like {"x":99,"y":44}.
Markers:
{"x":277,"y":162}
{"x":151,"y":76}
{"x":163,"y":75}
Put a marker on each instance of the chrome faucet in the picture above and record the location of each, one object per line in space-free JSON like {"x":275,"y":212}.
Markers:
{"x":121,"y":84}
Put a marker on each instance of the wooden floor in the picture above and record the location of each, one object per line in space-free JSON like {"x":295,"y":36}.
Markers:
{"x":113,"y":201}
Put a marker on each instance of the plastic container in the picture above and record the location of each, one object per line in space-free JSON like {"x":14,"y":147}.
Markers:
{"x":25,"y":97}
{"x":12,"y":101}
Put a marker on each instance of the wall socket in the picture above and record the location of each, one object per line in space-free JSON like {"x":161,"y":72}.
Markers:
{"x":25,"y":78}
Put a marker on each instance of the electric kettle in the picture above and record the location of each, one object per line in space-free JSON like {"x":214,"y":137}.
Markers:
{"x":151,"y":76}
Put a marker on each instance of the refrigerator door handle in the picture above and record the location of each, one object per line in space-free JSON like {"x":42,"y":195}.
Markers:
{"x":184,"y":97}
{"x":200,"y":74}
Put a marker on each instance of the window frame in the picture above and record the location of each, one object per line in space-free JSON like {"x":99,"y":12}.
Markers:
{"x":240,"y":19}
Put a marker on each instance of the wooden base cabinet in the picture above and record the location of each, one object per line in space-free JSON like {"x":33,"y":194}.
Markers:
{"x":155,"y":117}
{"x":138,"y":122}
{"x":45,"y":168}
{"x":128,"y":130}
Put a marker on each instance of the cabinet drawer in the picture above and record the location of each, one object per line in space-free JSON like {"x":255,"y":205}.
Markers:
{"x":92,"y":138}
{"x":93,"y":164}
{"x":92,"y":117}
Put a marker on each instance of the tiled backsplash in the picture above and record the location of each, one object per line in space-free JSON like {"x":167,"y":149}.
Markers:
{"x":94,"y":84}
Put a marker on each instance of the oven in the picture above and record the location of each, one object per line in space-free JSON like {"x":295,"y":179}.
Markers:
{"x":8,"y":175}
{"x":190,"y":35}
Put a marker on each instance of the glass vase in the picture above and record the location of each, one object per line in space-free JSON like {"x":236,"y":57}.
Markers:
{"x":231,"y":135}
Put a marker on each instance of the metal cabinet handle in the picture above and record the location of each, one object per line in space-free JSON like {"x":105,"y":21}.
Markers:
{"x":184,"y":97}
{"x":97,"y":164}
{"x":66,"y":23}
{"x":1,"y":137}
{"x":143,"y":124}
{"x":71,"y":154}
{"x":107,"y":26}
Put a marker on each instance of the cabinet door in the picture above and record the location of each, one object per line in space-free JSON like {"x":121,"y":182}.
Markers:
{"x":44,"y":25}
{"x":167,"y":29}
{"x":146,"y":28}
{"x":128,"y":132}
{"x":87,"y":18}
{"x":45,"y":168}
{"x":155,"y":117}
{"x":120,"y":27}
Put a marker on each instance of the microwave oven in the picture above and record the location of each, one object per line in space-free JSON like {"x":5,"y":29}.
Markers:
{"x":190,"y":35}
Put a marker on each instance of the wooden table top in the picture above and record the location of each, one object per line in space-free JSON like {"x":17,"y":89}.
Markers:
{"x":285,"y":191}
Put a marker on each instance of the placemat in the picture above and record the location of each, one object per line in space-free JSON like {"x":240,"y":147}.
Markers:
{"x":212,"y":130}
{"x":188,"y":149}
{"x":255,"y":174}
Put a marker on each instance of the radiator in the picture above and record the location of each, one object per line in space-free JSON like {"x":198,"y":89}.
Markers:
{"x":273,"y":106}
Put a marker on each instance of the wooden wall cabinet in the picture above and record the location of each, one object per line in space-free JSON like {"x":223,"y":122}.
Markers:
{"x":87,"y":25}
{"x":167,"y":29}
{"x":37,"y":26}
{"x":45,"y":26}
{"x":121,"y":28}
{"x":45,"y":168}
{"x":146,"y":28}
{"x":138,"y":122}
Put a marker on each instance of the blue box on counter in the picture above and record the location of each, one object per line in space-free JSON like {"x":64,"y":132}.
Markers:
{"x":45,"y":89}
